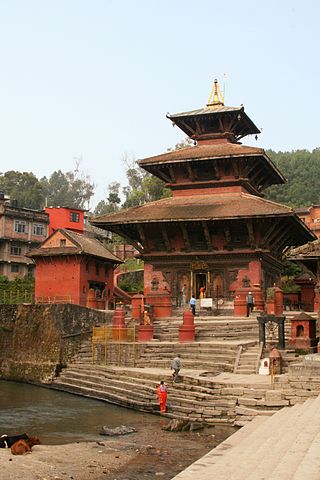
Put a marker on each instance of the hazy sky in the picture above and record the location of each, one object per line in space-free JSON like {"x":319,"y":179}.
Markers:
{"x":95,"y":78}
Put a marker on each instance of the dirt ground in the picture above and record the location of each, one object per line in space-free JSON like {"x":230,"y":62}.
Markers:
{"x":147,"y":454}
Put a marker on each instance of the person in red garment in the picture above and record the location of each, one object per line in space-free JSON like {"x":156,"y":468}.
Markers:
{"x":162,"y":394}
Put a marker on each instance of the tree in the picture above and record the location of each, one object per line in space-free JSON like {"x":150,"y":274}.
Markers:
{"x":24,"y":188}
{"x":113,"y":201}
{"x":302,"y":171}
{"x":71,"y":189}
{"x":142,"y":186}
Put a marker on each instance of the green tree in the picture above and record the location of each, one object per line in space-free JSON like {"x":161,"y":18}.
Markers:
{"x":142,"y":186}
{"x":70,"y":189}
{"x":302,"y":171}
{"x":24,"y":188}
{"x":112,"y":204}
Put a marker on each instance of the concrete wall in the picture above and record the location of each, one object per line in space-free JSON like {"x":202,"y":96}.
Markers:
{"x":38,"y":340}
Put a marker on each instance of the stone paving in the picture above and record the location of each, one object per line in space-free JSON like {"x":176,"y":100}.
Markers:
{"x":282,"y":447}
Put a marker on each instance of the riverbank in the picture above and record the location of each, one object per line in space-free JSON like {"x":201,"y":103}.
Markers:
{"x":146,"y":454}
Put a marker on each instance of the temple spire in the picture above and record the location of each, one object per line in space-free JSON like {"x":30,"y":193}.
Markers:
{"x":215,"y":97}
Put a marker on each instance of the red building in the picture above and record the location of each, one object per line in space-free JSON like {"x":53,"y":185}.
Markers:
{"x":311,"y":217}
{"x":70,"y":267}
{"x":216,"y":231}
{"x":65,"y":217}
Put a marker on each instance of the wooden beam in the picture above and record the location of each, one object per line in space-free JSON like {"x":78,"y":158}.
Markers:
{"x":191,"y":173}
{"x":207,"y":235}
{"x":188,"y":128}
{"x":227,"y":234}
{"x":268,"y":233}
{"x":185,"y":237}
{"x":143,"y":237}
{"x":171,"y":173}
{"x":166,"y":238}
{"x":166,"y":178}
{"x":276,"y":235}
{"x":132,"y":242}
{"x":252,"y":240}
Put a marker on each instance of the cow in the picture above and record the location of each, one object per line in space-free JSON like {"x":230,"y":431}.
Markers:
{"x":22,"y":447}
{"x":6,"y":441}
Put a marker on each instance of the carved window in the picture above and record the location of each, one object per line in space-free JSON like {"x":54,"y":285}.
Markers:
{"x":15,"y":250}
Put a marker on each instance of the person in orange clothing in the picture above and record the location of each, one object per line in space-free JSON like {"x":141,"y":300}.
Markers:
{"x":162,"y":394}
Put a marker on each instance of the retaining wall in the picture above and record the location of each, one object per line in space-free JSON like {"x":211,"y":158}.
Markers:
{"x":36,"y":341}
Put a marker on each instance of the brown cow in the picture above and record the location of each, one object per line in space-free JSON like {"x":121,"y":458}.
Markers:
{"x":24,"y":446}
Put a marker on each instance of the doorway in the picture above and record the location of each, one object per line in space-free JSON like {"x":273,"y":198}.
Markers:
{"x":200,"y":282}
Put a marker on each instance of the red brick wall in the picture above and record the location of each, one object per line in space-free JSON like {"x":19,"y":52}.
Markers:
{"x":69,"y":276}
{"x":58,"y":277}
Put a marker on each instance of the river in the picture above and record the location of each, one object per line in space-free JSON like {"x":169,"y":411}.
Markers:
{"x":59,"y":417}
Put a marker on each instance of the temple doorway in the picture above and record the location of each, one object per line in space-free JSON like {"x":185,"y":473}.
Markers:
{"x":200,"y":282}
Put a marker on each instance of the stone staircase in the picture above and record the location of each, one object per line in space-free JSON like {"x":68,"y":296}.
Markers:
{"x":213,"y":357}
{"x":282,"y":447}
{"x":248,"y":359}
{"x":196,"y":398}
{"x":208,"y":328}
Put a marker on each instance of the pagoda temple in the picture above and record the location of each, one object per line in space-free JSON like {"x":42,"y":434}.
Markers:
{"x":216,"y":231}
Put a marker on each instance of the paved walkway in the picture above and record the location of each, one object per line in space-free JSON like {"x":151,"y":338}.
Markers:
{"x":284,"y":446}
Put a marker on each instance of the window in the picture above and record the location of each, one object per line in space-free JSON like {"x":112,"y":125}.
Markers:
{"x":38,"y":229}
{"x":74,"y":217}
{"x":20,"y":226}
{"x":97,"y":268}
{"x":62,"y":242}
{"x":15,"y":268}
{"x":15,"y":250}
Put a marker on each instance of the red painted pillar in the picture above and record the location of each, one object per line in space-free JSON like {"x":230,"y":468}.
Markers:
{"x":119,"y":331}
{"x":145,"y":333}
{"x":278,"y":301}
{"x":137,"y":306}
{"x":240,"y":302}
{"x":316,"y":300}
{"x":187,"y":329}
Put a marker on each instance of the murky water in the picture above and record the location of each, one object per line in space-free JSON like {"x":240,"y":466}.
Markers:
{"x":59,"y":417}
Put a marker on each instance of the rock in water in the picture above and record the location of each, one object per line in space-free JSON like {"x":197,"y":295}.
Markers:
{"x":182,"y":426}
{"x":122,"y":430}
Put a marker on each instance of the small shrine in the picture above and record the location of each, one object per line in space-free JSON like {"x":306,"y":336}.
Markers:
{"x":216,"y":232}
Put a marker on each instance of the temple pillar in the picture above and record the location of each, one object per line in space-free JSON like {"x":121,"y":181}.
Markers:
{"x":316,"y":300}
{"x":119,"y":331}
{"x":137,"y":306}
{"x":187,"y":329}
{"x":278,"y":301}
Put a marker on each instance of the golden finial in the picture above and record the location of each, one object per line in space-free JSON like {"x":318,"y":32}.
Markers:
{"x":215,"y":97}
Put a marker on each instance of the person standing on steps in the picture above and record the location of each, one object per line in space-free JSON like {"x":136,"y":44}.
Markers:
{"x":193,"y":304}
{"x":162,"y":394}
{"x":184,"y":296}
{"x":250,"y":303}
{"x":175,"y":366}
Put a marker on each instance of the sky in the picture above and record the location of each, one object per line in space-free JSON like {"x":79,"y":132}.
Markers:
{"x":93,"y":80}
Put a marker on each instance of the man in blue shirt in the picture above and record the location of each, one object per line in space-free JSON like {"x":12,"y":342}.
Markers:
{"x":193,"y":304}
